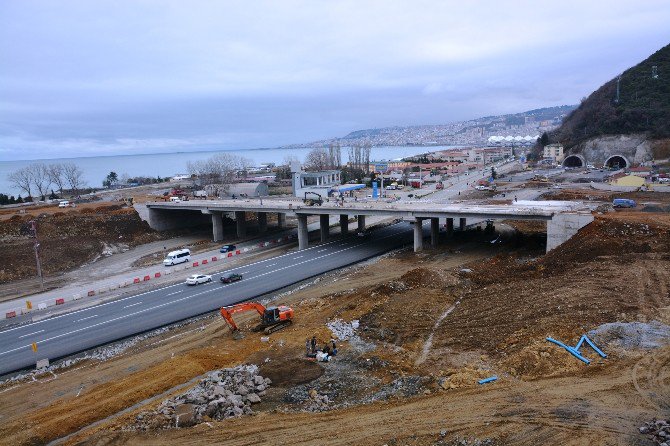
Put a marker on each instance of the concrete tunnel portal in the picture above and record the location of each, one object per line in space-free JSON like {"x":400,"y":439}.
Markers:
{"x":574,"y":161}
{"x":617,"y":162}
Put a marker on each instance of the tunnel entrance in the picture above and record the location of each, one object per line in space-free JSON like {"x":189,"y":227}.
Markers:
{"x":574,"y":161}
{"x":616,"y":162}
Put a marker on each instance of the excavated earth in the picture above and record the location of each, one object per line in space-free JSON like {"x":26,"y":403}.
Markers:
{"x":415,"y":333}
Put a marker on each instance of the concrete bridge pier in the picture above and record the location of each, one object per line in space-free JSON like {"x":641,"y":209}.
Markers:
{"x":344,"y":224}
{"x":434,"y":231}
{"x":361,"y":223}
{"x":241,"y":222}
{"x":324,"y":225}
{"x":563,"y":226}
{"x":281,"y":220}
{"x":462,"y":223}
{"x":262,"y":222}
{"x":450,"y":227}
{"x":303,"y":235}
{"x":217,"y":226}
{"x":418,"y":234}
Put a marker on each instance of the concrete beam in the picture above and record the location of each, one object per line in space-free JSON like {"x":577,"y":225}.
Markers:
{"x":434,"y":231}
{"x":418,"y":234}
{"x":450,"y":227}
{"x":262,"y":222}
{"x":281,"y":220}
{"x":303,"y":235}
{"x":563,"y":226}
{"x":462,"y":223}
{"x":361,"y":223}
{"x":240,"y":220}
{"x":324,"y":226}
{"x":344,"y":224}
{"x":217,"y":226}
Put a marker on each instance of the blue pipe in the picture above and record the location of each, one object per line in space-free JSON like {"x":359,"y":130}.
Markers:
{"x":571,"y":350}
{"x":487,"y":380}
{"x":593,"y":346}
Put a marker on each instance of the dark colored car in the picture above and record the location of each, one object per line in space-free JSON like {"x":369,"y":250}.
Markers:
{"x":231,"y":277}
{"x":227,"y":248}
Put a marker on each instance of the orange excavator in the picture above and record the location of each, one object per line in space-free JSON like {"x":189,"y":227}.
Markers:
{"x":272,"y":318}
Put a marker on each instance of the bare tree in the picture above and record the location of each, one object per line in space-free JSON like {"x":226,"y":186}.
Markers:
{"x":335,"y":156}
{"x":218,"y":169}
{"x":74,"y":176}
{"x":317,"y":159}
{"x":41,"y":179}
{"x":22,"y":179}
{"x":57,"y":175}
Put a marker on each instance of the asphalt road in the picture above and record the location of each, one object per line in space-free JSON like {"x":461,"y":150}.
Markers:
{"x":90,"y":327}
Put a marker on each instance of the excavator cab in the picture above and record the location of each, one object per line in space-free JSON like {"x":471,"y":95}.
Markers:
{"x":271,"y":316}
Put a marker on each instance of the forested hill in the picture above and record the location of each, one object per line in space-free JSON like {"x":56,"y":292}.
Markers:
{"x":643,"y":105}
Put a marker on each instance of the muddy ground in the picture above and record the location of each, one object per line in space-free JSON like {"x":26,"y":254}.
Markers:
{"x":430,"y":326}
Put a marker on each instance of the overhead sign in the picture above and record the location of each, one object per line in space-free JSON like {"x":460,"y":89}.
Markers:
{"x":381,"y":167}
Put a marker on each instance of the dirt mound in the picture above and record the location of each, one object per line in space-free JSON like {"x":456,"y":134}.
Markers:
{"x":290,"y":371}
{"x":426,"y":278}
{"x":68,"y":240}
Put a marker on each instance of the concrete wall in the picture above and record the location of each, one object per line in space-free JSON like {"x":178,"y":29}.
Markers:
{"x":563,"y":226}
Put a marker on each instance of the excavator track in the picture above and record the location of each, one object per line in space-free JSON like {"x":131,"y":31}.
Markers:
{"x":277,"y":327}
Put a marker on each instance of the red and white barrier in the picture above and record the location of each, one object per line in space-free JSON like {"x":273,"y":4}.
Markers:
{"x":60,"y":301}
{"x":10,"y":314}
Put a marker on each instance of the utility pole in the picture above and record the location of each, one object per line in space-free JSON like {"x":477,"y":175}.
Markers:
{"x":36,"y":247}
{"x":618,"y":81}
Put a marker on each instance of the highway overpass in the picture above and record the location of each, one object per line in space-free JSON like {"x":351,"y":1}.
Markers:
{"x":564,"y":218}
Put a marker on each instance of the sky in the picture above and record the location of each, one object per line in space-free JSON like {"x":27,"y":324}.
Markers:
{"x":106,"y":77}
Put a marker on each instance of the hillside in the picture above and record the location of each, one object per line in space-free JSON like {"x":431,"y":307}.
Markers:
{"x":643,"y":105}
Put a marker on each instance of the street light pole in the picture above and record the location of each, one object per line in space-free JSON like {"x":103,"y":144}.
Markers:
{"x":36,"y":247}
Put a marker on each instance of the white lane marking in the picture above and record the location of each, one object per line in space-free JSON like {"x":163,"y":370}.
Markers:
{"x":87,"y":317}
{"x":30,"y":334}
{"x":271,"y":264}
{"x":298,"y":257}
{"x":132,"y":305}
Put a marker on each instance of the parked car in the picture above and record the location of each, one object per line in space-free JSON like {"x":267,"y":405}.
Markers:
{"x":227,"y":248}
{"x":64,"y":204}
{"x":623,"y":203}
{"x":195,"y":279}
{"x":231,"y":277}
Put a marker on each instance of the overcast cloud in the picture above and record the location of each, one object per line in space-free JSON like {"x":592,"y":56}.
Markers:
{"x":81,"y":78}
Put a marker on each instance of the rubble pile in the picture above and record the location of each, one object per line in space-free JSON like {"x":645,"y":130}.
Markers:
{"x":222,"y":394}
{"x":346,"y":331}
{"x":657,"y":431}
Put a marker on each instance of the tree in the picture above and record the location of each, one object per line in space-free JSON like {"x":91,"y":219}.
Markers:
{"x":22,"y":179}
{"x":41,"y":180}
{"x":56,"y":175}
{"x":111,"y":179}
{"x":317,"y":159}
{"x":494,"y":174}
{"x":544,"y":139}
{"x":74,"y":176}
{"x":218,"y":169}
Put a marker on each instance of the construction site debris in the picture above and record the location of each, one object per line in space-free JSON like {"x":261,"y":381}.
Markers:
{"x":221,"y":394}
{"x":630,"y":335}
{"x":487,"y":380}
{"x":575,"y":350}
{"x":657,"y":431}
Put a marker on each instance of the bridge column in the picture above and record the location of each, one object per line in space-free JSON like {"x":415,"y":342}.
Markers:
{"x":262,"y":222}
{"x":217,"y":226}
{"x":450,"y":227}
{"x":434,"y":231}
{"x":344,"y":224}
{"x":324,"y":224}
{"x":241,"y":222}
{"x":461,"y":223}
{"x":418,"y":234}
{"x":361,"y":223}
{"x":281,"y":220}
{"x":303,"y":235}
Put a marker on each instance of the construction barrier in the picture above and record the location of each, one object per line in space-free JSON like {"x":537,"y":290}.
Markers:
{"x":237,"y":252}
{"x":60,"y":301}
{"x":214,"y":259}
{"x":136,"y":280}
{"x":91,"y":293}
{"x":76,"y":296}
{"x":147,"y":278}
{"x":10,"y":314}
{"x":195,"y":263}
{"x":167,"y":272}
{"x":42,"y":306}
{"x":204,"y":262}
{"x":230,"y":254}
{"x":157,"y":275}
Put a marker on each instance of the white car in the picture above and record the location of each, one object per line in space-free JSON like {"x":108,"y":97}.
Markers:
{"x":195,"y":279}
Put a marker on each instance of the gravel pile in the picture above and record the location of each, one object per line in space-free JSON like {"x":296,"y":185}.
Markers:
{"x":222,"y":394}
{"x":346,"y":331}
{"x":657,"y":431}
{"x":629,"y":335}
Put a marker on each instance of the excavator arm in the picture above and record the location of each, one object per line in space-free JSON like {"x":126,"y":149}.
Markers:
{"x":227,"y":312}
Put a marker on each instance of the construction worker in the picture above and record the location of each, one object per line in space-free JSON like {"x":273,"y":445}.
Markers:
{"x":308,"y":345}
{"x":313,"y":344}
{"x":515,"y":200}
{"x":334,"y":347}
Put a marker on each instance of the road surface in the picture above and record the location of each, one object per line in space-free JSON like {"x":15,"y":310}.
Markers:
{"x":83,"y":329}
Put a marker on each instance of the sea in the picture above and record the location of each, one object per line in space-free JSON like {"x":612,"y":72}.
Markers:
{"x":96,"y":168}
